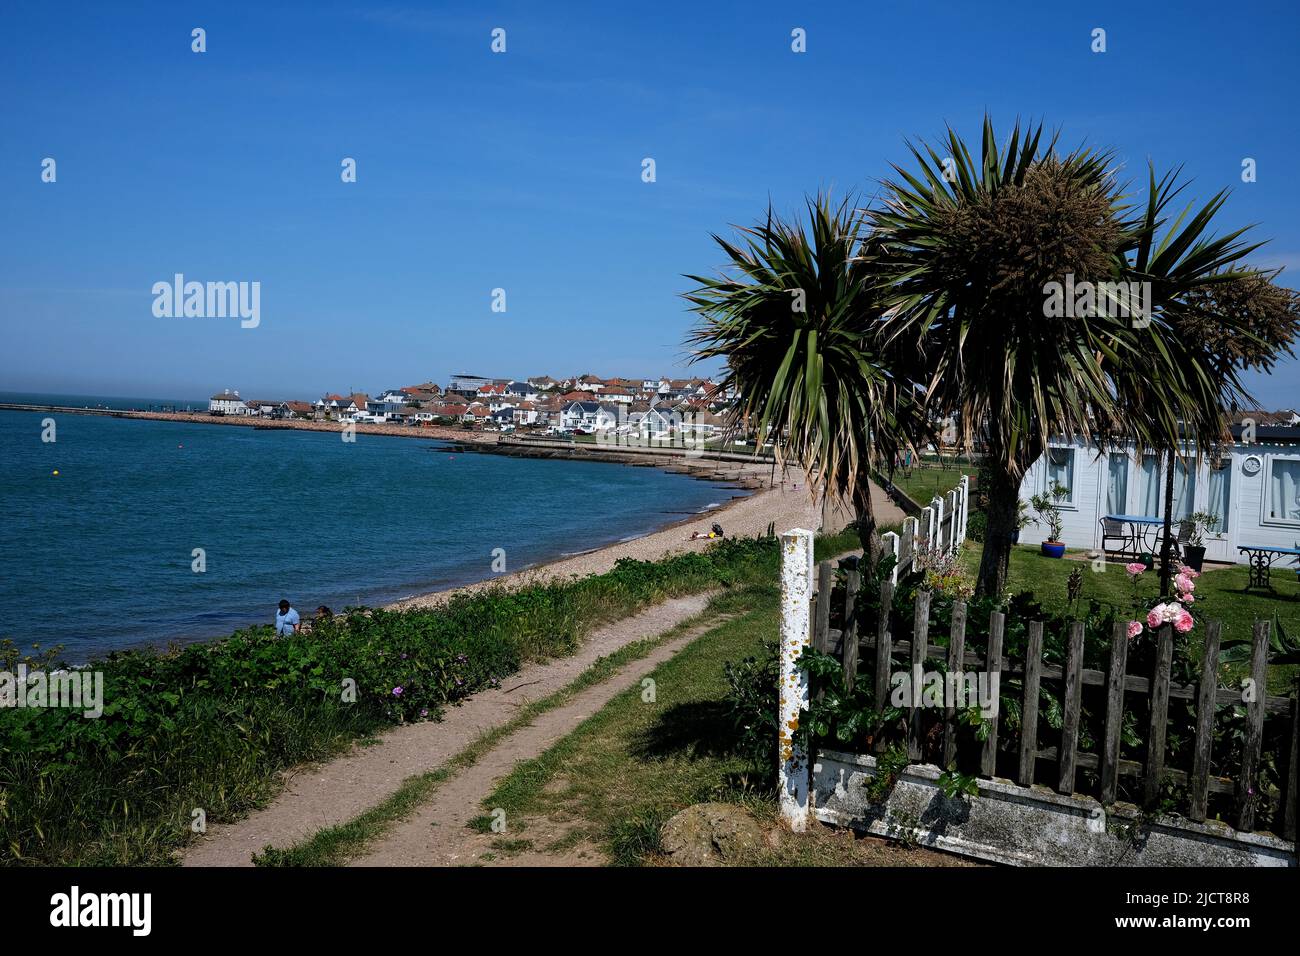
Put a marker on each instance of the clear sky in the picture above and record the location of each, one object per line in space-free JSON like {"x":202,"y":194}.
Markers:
{"x":522,"y":170}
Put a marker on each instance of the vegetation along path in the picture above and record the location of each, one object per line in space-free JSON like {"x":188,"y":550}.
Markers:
{"x":374,"y":786}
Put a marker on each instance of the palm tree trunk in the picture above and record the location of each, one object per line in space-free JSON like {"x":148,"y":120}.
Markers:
{"x":865,"y":514}
{"x":1003,"y":514}
{"x":1166,"y":571}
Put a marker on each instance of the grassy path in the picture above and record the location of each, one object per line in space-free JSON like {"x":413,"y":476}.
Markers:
{"x":321,"y":797}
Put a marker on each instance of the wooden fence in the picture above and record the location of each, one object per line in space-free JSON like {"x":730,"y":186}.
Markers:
{"x":940,"y":529}
{"x":878,"y":651}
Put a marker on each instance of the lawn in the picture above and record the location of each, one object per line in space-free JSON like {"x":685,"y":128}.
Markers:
{"x":928,"y":480}
{"x":1220,"y":592}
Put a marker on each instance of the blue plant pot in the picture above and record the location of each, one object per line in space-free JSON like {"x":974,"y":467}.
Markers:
{"x":1053,"y":549}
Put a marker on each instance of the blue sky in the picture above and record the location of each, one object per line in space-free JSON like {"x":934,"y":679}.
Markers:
{"x":522,"y":170}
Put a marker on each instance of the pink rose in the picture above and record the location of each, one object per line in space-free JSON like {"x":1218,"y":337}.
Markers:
{"x":1184,"y":583}
{"x":1135,"y":569}
{"x":1183,"y":621}
{"x":1153,"y":618}
{"x":1134,"y":629}
{"x":1187,"y":598}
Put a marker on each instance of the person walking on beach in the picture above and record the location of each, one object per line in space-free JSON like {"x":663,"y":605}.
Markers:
{"x":286,"y":620}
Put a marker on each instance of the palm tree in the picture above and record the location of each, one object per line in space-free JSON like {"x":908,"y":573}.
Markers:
{"x":797,"y":319}
{"x":1206,"y":319}
{"x":968,"y":248}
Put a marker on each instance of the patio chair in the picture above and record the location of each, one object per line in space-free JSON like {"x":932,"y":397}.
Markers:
{"x":1184,"y":537}
{"x":1112,"y":530}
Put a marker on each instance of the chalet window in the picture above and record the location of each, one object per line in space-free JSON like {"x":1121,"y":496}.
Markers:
{"x":1060,"y":471}
{"x":1282,"y":491}
{"x":1117,"y":484}
{"x":1219,"y":491}
{"x":1184,"y":488}
{"x":1149,"y":501}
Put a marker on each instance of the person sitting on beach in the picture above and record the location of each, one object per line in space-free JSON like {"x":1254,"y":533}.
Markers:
{"x":324,"y":613}
{"x":286,"y":620}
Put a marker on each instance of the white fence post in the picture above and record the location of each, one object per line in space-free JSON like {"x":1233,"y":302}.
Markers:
{"x":965,"y":507}
{"x":891,"y":542}
{"x":796,"y":633}
{"x":936,"y":539}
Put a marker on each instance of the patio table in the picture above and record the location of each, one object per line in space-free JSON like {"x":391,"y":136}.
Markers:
{"x":1261,"y":562}
{"x":1139,"y":526}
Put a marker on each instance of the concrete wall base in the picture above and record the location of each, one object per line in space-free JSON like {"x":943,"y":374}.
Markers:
{"x":1031,"y":826}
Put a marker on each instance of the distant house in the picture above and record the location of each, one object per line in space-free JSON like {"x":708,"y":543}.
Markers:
{"x":227,"y":403}
{"x":522,"y":391}
{"x":424,"y":392}
{"x":450,"y":410}
{"x":543,"y":383}
{"x":294,"y":410}
{"x":525,"y":413}
{"x":615,"y":393}
{"x":589,"y":383}
{"x":260,"y":408}
{"x":391,"y":401}
{"x":654,"y":422}
{"x":332,"y":406}
{"x":550,"y":411}
{"x":575,"y":396}
{"x":588,"y":416}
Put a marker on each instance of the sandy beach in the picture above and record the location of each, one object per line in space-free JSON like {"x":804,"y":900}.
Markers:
{"x":785,"y":501}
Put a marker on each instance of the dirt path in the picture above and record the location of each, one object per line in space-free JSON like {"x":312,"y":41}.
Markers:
{"x":333,"y":793}
{"x":438,"y":833}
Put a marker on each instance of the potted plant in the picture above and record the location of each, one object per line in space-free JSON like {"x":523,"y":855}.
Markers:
{"x":1194,"y":553}
{"x":1048,"y":509}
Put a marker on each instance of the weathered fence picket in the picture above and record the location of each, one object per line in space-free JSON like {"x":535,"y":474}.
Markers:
{"x":1029,"y":707}
{"x":956,"y":664}
{"x":1114,"y":713}
{"x":1073,"y":707}
{"x":1248,"y":783}
{"x":993,"y":667}
{"x":920,"y":642}
{"x":1200,"y":788}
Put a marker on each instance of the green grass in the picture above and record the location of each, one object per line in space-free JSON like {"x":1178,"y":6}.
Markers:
{"x":630,"y":766}
{"x":1220,"y":593}
{"x":927,"y":481}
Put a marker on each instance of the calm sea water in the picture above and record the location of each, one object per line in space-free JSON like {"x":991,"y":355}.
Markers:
{"x":100,"y":556}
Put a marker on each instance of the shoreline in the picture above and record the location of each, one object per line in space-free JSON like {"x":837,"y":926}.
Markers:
{"x":762,"y":496}
{"x":785,"y":504}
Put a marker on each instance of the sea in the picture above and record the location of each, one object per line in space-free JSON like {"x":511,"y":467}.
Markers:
{"x":122,"y":533}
